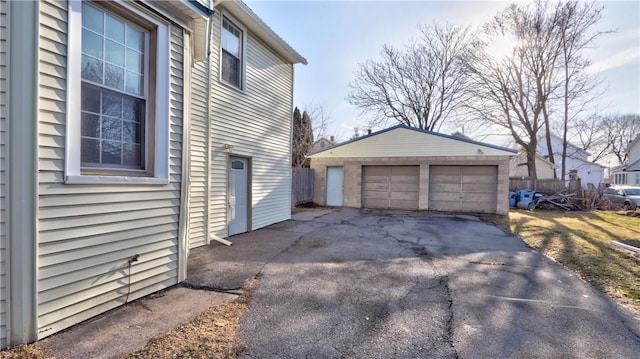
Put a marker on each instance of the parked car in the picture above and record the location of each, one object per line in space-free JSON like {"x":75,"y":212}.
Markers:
{"x":627,"y":197}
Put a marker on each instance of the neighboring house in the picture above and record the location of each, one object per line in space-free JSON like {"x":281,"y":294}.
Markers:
{"x":407,"y":168}
{"x":518,"y":167}
{"x":110,"y":168}
{"x":322,"y":143}
{"x":630,"y":174}
{"x":576,"y":159}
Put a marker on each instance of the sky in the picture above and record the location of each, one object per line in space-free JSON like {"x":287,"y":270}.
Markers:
{"x":336,"y":36}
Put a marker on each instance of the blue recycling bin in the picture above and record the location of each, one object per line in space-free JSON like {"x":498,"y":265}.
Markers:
{"x":525,"y":197}
{"x":513,"y":199}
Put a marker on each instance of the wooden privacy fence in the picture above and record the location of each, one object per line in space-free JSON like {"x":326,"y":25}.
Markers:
{"x":301,"y":186}
{"x":547,"y":186}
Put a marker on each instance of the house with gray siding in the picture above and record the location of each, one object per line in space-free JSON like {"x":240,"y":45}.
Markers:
{"x":125,"y":128}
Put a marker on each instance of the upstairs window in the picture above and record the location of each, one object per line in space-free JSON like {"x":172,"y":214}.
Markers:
{"x":232,"y":58}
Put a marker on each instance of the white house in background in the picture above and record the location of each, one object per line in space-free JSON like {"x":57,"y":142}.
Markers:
{"x":630,"y":174}
{"x":127,"y":138}
{"x":576,"y":159}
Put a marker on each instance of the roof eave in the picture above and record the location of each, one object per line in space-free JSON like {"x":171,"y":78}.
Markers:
{"x":512,"y":151}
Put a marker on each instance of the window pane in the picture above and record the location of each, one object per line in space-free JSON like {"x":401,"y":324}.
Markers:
{"x":90,"y":152}
{"x":92,"y":18}
{"x":133,"y":110}
{"x":131,"y":132}
{"x":114,"y":28}
{"x":90,"y":126}
{"x":230,"y":69}
{"x":237,"y":165}
{"x":132,"y":155}
{"x":114,"y":53}
{"x":112,"y":123}
{"x":91,"y":44}
{"x":231,"y":39}
{"x":134,"y":83}
{"x":135,"y":39}
{"x":90,"y":99}
{"x":114,"y":76}
{"x":111,"y":105}
{"x":111,"y":128}
{"x":91,"y":69}
{"x":134,"y":61}
{"x":111,"y":153}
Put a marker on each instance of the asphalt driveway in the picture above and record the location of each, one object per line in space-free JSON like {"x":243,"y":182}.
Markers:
{"x":390,"y":284}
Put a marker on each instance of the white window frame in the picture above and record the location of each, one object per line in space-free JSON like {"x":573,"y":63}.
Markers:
{"x":243,"y":51}
{"x":160,"y":175}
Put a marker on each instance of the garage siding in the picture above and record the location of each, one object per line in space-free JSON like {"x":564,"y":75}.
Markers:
{"x":463,"y":188}
{"x":390,"y":187}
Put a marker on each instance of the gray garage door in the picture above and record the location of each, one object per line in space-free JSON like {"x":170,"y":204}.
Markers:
{"x":463,"y":188}
{"x":390,"y":187}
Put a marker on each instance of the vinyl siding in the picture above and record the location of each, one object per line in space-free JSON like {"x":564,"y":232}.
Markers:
{"x":403,"y":142}
{"x":87,"y":233}
{"x":257,"y":123}
{"x":198,"y":168}
{"x":4,"y":56}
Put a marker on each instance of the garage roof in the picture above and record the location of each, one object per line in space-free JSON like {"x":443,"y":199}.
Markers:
{"x":405,"y":141}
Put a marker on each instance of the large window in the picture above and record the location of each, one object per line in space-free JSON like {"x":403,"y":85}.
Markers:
{"x":114,"y":91}
{"x":232,"y":40}
{"x":118,"y":94}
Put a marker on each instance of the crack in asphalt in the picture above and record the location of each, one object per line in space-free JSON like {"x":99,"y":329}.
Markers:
{"x":415,"y":247}
{"x":449,"y":339}
{"x":210,"y":288}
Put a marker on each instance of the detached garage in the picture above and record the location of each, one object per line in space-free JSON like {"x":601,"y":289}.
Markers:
{"x":407,"y":168}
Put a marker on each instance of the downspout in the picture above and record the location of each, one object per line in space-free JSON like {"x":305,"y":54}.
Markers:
{"x":207,"y":217}
{"x":291,"y":140}
{"x":22,"y":173}
{"x":210,"y":73}
{"x":185,"y":179}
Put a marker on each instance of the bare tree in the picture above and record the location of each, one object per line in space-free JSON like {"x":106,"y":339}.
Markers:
{"x":591,"y":134}
{"x":513,"y":87}
{"x":320,"y":120}
{"x":422,"y":85}
{"x":574,"y":21}
{"x":620,"y":130}
{"x":545,"y":70}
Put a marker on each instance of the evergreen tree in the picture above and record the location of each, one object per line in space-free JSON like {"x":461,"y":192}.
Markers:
{"x":302,"y":138}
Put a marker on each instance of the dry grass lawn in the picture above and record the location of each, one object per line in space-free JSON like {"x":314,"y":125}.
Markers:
{"x":580,"y":241}
{"x":212,"y":334}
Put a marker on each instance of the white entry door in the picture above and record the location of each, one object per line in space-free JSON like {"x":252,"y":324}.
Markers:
{"x":238,"y":195}
{"x":335,"y":179}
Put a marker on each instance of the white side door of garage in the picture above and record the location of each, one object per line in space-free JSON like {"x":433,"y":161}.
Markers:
{"x":335,"y":185}
{"x":463,"y":188}
{"x":393,"y":187}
